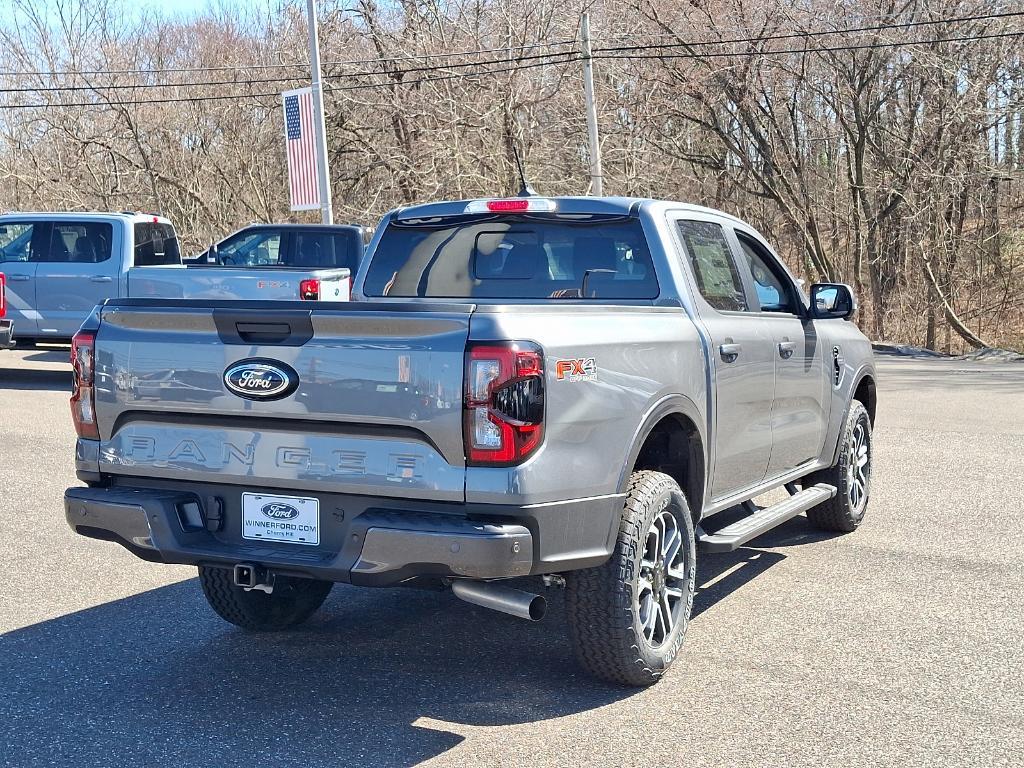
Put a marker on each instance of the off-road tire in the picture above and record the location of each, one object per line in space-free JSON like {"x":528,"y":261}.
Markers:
{"x":292,"y":602}
{"x":838,"y":513}
{"x":602,"y":602}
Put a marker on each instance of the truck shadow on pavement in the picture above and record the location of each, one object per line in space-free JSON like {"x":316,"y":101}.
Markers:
{"x":34,"y":379}
{"x":376,"y":678}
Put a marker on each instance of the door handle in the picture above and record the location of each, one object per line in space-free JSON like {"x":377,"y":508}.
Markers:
{"x":101,"y":279}
{"x":16,"y":278}
{"x":786,"y":349}
{"x":730,"y":352}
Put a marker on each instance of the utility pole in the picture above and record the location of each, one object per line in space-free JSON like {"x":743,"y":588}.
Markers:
{"x":326,"y":212}
{"x":596,"y":176}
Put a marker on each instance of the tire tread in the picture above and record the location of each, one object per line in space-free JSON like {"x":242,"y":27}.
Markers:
{"x":599,"y":601}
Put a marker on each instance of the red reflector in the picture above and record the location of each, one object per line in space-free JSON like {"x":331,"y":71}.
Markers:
{"x":504,"y":206}
{"x":309,"y":289}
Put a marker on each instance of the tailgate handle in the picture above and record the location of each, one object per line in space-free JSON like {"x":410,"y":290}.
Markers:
{"x":263,"y":333}
{"x":287,"y":329}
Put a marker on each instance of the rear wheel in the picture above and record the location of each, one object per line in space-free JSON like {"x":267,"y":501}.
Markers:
{"x":851,"y":475}
{"x":628,"y":617}
{"x":292,"y":602}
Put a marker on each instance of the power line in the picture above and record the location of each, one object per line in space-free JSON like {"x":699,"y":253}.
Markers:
{"x":476,"y":52}
{"x":831,"y":49}
{"x":814,"y":33}
{"x":889,"y":23}
{"x":185,"y":99}
{"x":246,"y":67}
{"x":366,"y":73}
{"x":550,"y":59}
{"x":571,"y":57}
{"x":424,"y":56}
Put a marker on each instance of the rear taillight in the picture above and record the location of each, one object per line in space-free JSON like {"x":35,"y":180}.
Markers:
{"x":83,"y":394}
{"x":503,"y":422}
{"x":3,"y":302}
{"x":325,"y":289}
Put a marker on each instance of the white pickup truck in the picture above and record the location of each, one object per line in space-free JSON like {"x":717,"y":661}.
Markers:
{"x":59,"y":266}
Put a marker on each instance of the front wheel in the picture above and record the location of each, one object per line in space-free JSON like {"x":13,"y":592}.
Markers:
{"x":851,"y":475}
{"x":628,"y":617}
{"x":292,"y":602}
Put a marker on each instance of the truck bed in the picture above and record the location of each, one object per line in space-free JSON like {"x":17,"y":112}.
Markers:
{"x":230,"y":283}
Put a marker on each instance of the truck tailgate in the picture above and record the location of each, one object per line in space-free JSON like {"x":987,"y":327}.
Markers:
{"x":226,"y":283}
{"x":376,"y":407}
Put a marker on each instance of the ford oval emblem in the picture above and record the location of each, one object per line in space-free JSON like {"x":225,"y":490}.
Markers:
{"x":279,"y":511}
{"x":259,"y":379}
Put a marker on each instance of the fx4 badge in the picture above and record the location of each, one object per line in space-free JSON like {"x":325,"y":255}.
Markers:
{"x":577,"y":369}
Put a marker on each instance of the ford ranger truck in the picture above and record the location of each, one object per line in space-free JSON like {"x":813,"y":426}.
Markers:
{"x":566,"y":388}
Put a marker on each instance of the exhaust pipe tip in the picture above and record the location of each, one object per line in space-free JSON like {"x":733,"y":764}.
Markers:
{"x":515,"y":602}
{"x":538,"y":607}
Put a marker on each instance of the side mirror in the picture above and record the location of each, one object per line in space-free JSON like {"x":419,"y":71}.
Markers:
{"x":832,"y":300}
{"x":211,"y":254}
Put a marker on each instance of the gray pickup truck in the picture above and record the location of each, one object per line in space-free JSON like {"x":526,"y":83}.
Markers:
{"x":566,"y":388}
{"x":58,"y":266}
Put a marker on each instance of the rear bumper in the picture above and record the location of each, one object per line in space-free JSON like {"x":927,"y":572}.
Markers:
{"x":7,"y":334}
{"x":364,"y":545}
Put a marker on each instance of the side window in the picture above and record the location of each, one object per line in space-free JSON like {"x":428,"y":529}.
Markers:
{"x":774,"y":293}
{"x":86,"y":242}
{"x":16,"y":241}
{"x":261,"y":248}
{"x":346,"y":250}
{"x":718,"y":279}
{"x":313,"y":249}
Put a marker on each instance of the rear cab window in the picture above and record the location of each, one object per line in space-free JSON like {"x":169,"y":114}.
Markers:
{"x":80,"y":242}
{"x":320,"y":249}
{"x":156,"y":245}
{"x":513,"y":257}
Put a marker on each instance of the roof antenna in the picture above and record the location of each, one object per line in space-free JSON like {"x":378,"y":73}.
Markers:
{"x":525,"y":190}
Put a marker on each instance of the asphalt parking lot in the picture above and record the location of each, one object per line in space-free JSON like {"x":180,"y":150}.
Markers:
{"x":897,"y":645}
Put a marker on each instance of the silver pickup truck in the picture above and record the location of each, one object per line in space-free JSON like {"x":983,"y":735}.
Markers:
{"x":568,"y":388}
{"x":58,"y":266}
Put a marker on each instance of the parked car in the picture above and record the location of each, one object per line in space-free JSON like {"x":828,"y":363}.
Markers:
{"x":61,"y":265}
{"x":607,"y":375}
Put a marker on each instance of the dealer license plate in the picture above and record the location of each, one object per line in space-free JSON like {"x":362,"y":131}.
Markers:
{"x":294,"y":519}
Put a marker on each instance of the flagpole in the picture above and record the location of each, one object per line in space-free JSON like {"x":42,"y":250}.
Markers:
{"x":326,"y":212}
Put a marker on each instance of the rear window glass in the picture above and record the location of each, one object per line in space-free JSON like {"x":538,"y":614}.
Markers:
{"x":156,"y":245}
{"x":323,"y":250}
{"x":513,"y":258}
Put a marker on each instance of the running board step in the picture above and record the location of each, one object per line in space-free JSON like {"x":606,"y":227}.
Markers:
{"x":739,"y":533}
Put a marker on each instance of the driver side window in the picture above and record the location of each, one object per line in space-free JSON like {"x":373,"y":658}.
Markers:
{"x":774,"y":292}
{"x":254,"y":249}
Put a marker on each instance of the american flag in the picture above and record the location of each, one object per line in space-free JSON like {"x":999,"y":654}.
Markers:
{"x":303,"y":188}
